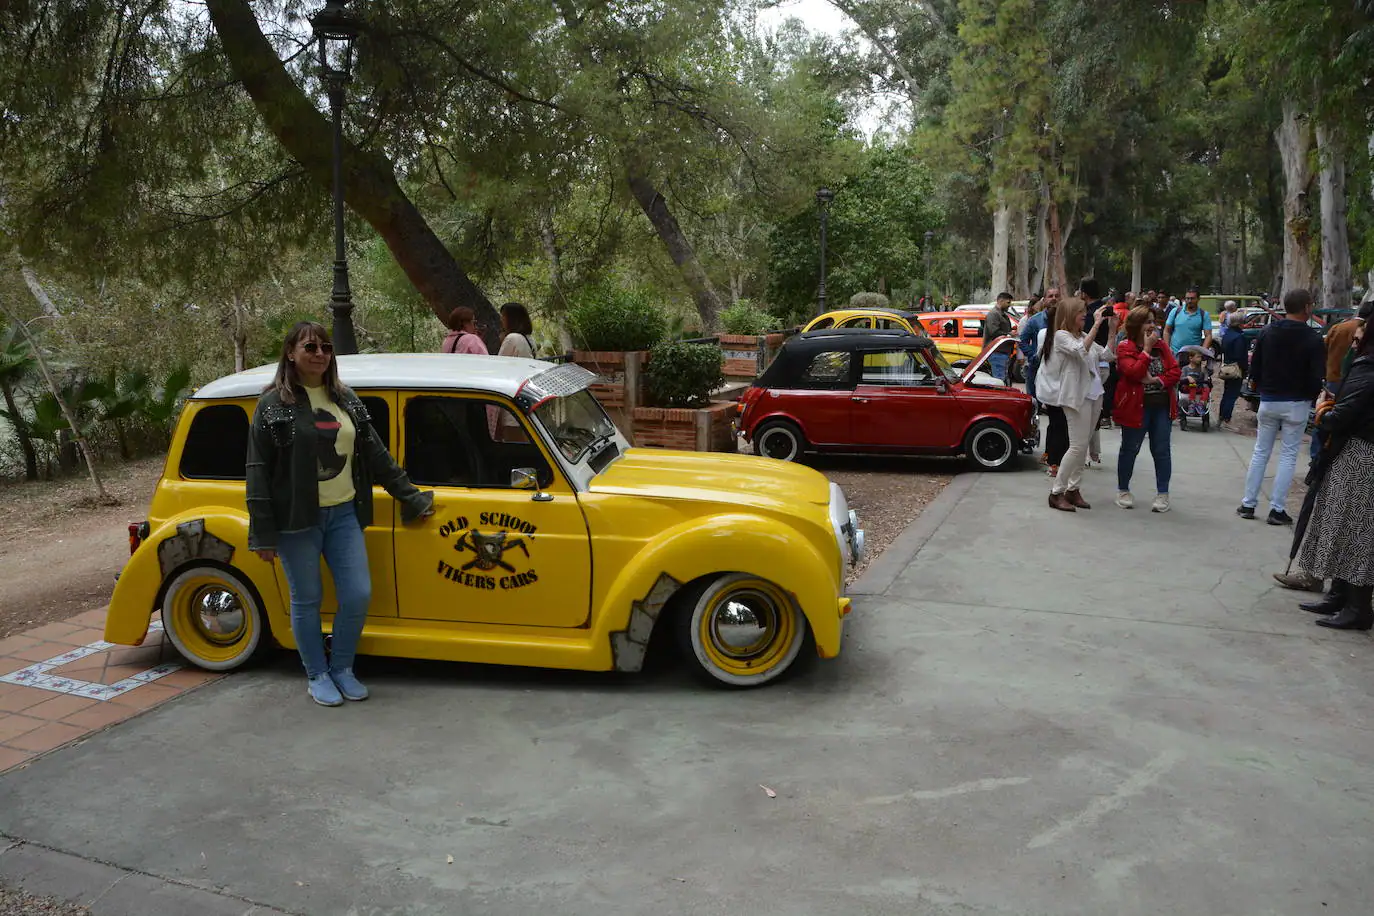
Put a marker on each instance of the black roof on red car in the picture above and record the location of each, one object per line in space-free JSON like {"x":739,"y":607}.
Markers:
{"x":797,"y":352}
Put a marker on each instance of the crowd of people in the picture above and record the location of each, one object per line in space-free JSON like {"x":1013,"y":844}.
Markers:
{"x":1131,"y":362}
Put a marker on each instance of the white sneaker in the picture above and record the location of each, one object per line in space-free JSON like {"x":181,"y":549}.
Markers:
{"x":1125,"y":500}
{"x":1161,"y":503}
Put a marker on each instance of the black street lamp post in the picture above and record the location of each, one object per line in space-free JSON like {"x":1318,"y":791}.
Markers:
{"x":335,"y":30}
{"x":823,"y":197}
{"x":930,"y":236}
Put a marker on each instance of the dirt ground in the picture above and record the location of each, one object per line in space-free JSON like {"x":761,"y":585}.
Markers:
{"x":59,"y":551}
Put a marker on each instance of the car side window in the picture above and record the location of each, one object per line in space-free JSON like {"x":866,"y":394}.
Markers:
{"x":864,"y":322}
{"x":216,"y":446}
{"x":888,"y":324}
{"x":467,"y":442}
{"x":829,"y":370}
{"x":896,"y":368}
{"x":380,"y":413}
{"x":973,"y":327}
{"x":823,"y":324}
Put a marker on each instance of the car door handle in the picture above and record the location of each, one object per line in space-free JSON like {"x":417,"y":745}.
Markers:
{"x":859,"y":400}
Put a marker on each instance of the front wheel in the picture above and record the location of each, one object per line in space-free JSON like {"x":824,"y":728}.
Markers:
{"x":743,"y":631}
{"x":214,"y":618}
{"x":780,"y":439}
{"x":990,"y":445}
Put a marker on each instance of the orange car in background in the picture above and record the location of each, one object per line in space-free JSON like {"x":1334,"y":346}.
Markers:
{"x":958,"y":335}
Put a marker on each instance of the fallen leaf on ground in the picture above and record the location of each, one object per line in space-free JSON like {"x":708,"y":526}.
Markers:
{"x":769,"y":792}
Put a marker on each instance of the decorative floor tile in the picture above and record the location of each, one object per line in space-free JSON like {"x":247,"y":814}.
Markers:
{"x":43,"y":675}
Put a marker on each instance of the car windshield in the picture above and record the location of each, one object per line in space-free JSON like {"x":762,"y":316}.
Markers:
{"x":576,"y":423}
{"x":943,"y":365}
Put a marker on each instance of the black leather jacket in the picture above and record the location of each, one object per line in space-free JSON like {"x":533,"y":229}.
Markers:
{"x":1353,"y":413}
{"x":283,"y":490}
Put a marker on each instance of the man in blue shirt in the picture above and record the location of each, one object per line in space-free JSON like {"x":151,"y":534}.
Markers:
{"x":1189,"y":326}
{"x":1029,"y":337}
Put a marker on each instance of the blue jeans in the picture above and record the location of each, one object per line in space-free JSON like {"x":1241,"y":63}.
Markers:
{"x":1030,"y":377}
{"x":1277,"y":419}
{"x":339,"y":541}
{"x":1158,"y":427}
{"x":1230,"y":393}
{"x":997,"y":362}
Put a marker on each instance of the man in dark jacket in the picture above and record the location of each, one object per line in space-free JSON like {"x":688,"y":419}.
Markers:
{"x":1287,"y":368}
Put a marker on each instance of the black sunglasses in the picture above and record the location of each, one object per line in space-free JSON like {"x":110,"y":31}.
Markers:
{"x":313,"y":347}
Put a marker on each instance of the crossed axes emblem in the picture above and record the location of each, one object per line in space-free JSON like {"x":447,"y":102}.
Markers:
{"x":490,"y":549}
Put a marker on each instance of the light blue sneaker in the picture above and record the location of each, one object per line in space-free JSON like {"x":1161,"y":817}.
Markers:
{"x":323,"y":691}
{"x":348,"y":684}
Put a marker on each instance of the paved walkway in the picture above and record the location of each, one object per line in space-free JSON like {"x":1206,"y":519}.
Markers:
{"x":1035,"y":712}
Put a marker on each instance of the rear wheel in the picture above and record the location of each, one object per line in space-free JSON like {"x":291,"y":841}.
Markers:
{"x":214,"y":618}
{"x":780,"y":439}
{"x":990,"y":445}
{"x":743,"y":631}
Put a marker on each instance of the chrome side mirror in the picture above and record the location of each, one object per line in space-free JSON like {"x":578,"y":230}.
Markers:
{"x":528,"y":479}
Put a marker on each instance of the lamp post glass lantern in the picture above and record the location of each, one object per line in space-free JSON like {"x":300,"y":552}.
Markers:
{"x":823,"y":197}
{"x":336,"y":29}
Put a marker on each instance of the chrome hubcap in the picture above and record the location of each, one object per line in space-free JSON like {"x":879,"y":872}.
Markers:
{"x":991,"y":447}
{"x":744,"y":624}
{"x":219,"y":614}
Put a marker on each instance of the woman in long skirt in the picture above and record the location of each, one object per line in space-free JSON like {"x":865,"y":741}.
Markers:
{"x":1340,"y":536}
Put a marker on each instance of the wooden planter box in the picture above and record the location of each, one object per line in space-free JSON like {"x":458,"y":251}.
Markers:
{"x":745,"y":356}
{"x":702,"y":429}
{"x":622,"y":376}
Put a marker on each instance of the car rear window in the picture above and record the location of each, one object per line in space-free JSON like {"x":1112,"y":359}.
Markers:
{"x":216,"y":444}
{"x":827,"y":370}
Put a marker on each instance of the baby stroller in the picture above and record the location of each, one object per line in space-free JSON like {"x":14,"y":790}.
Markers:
{"x":1195,"y":387}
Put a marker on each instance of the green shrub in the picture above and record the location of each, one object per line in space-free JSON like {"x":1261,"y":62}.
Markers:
{"x":684,"y":374}
{"x":745,"y":318}
{"x":869,"y":301}
{"x":609,"y":318}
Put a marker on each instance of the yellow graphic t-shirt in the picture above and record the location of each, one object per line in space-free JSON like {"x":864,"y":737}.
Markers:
{"x":334,"y":435}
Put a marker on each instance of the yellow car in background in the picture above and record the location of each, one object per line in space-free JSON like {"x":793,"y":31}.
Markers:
{"x":553,"y":544}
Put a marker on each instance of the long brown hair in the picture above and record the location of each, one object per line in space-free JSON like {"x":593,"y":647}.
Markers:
{"x":287,"y":379}
{"x":1136,"y":320}
{"x":1068,"y":316}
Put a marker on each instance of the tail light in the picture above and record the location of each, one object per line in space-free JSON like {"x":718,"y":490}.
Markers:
{"x":138,"y":533}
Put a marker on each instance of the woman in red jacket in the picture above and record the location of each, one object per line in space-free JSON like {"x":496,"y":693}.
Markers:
{"x":1145,"y":405}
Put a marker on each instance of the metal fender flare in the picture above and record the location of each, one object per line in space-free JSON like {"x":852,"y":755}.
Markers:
{"x":721,"y":544}
{"x":215,"y":537}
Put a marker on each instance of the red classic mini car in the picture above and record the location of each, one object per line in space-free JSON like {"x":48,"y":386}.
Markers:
{"x":883,"y":392}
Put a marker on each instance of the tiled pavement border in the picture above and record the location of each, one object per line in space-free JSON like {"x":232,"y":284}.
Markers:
{"x":61,"y":682}
{"x":110,"y":891}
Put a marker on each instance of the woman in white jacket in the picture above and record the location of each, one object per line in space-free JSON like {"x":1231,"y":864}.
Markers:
{"x":1069,"y":378}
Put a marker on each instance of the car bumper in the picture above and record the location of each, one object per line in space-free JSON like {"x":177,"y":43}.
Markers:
{"x":1029,"y":444}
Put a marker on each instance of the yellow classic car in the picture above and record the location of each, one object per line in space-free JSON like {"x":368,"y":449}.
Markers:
{"x":957,"y":346}
{"x":554,"y":544}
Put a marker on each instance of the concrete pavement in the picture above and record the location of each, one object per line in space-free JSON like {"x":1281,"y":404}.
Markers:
{"x":1035,"y":712}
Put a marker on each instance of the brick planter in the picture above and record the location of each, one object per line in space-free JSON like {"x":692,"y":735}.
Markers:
{"x":702,"y":429}
{"x":744,"y":356}
{"x":622,"y":376}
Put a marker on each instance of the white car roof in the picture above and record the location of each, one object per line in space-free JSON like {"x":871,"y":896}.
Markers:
{"x":496,"y":374}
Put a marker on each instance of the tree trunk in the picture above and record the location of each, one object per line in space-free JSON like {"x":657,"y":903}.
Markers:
{"x":1336,"y":269}
{"x":20,"y":433}
{"x":1294,"y":138}
{"x":370,"y":185}
{"x":1058,"y":271}
{"x":1001,"y":244}
{"x":239,"y":331}
{"x":39,"y":294}
{"x":1039,"y":277}
{"x":558,"y":297}
{"x":655,"y":207}
{"x":1020,"y":282}
{"x":1137,"y":269}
